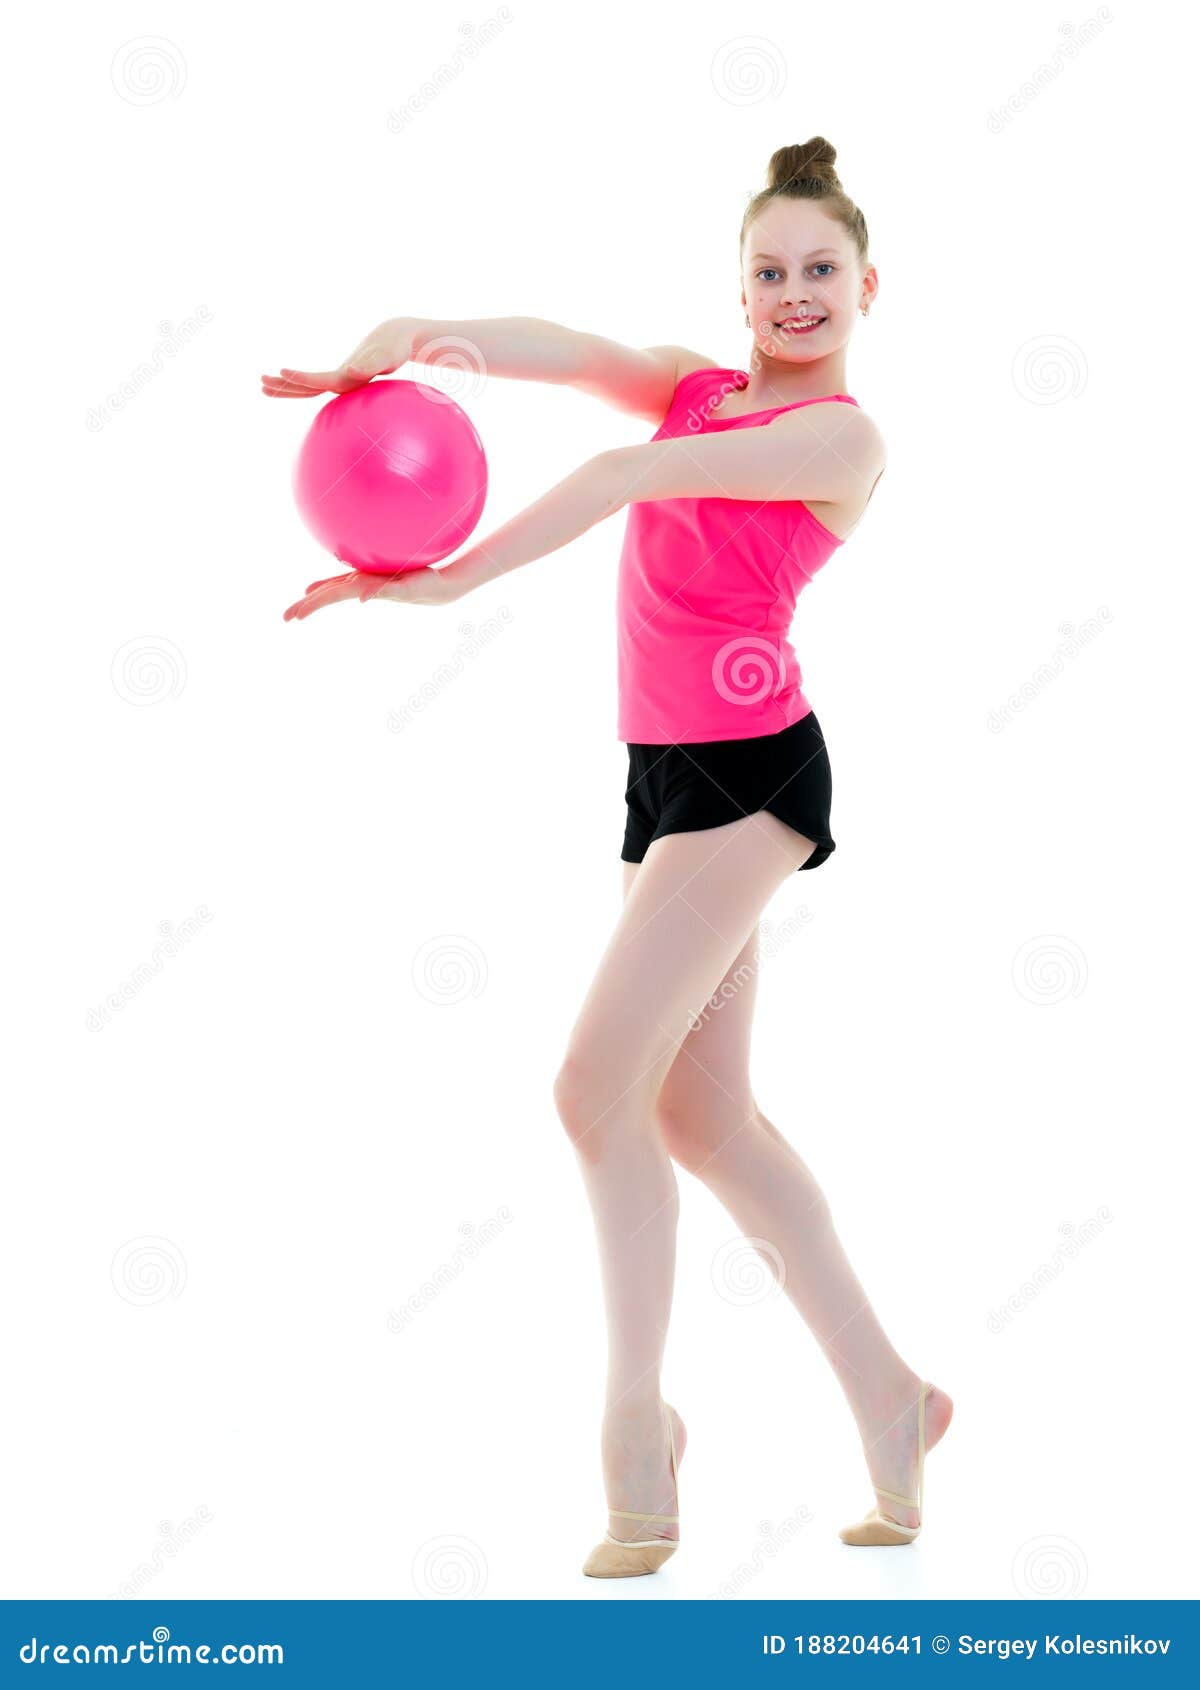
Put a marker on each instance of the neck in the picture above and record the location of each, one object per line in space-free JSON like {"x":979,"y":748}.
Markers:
{"x":776,"y":382}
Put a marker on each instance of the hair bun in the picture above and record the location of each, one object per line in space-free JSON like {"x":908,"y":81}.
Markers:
{"x":805,"y":172}
{"x":811,"y":161}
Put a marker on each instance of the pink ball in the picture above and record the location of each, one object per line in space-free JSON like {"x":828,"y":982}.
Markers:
{"x":391,"y":476}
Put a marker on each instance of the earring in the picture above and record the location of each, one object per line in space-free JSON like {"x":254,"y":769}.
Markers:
{"x":747,"y":321}
{"x":866,"y":310}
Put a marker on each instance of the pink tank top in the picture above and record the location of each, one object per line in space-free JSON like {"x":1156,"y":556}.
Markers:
{"x":706,"y":592}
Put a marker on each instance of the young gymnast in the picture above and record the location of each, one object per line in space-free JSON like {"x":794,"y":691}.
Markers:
{"x":750,"y":483}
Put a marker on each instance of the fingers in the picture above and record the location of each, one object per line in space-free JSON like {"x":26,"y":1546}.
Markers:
{"x":291,"y":387}
{"x":306,"y":384}
{"x":320,"y":594}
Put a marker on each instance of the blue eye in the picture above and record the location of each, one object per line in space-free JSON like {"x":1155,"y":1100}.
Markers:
{"x":822,"y":264}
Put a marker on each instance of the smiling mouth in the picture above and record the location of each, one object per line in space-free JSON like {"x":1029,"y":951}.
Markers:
{"x":793,"y":325}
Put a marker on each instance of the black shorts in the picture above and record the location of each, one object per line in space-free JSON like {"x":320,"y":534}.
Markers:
{"x":711,"y":782}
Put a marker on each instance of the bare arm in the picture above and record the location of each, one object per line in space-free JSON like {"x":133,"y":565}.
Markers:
{"x":821,"y":454}
{"x":520,"y":348}
{"x":638,"y":380}
{"x":824,"y":459}
{"x":569,"y":509}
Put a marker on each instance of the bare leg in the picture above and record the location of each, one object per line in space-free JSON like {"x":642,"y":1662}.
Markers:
{"x":697,"y":898}
{"x":712,"y":1126}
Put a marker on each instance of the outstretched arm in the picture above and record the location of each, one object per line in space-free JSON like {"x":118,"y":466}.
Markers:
{"x":637,"y":380}
{"x":824,"y":458}
{"x":585,"y":497}
{"x":821,"y":453}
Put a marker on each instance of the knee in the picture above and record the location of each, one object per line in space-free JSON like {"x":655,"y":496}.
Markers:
{"x":581,"y":1101}
{"x":696,"y":1137}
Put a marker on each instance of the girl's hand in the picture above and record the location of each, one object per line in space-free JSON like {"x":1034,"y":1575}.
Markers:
{"x":383,"y":351}
{"x":413,"y":586}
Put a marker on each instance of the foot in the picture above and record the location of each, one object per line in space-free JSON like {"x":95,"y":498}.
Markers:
{"x":889,"y":1436}
{"x":637,"y":1469}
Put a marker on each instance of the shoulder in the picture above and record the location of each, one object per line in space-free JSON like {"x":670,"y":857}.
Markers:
{"x":858,"y":436}
{"x":681,"y":361}
{"x":676,"y":365}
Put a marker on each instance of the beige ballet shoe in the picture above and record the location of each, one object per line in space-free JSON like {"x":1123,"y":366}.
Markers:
{"x":620,"y":1558}
{"x":875,"y":1530}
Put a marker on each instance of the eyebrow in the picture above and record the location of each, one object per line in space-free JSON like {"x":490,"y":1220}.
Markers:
{"x":815,"y":253}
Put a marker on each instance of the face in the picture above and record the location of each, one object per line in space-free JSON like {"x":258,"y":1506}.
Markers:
{"x":798,"y":262}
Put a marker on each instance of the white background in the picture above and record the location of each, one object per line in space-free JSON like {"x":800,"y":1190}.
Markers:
{"x":342,"y":1074}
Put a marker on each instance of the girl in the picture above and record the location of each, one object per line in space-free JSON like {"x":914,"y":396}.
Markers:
{"x":749,"y":484}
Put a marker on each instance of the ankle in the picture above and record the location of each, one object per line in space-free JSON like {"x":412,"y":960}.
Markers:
{"x":877,"y":1402}
{"x":641,"y":1401}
